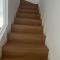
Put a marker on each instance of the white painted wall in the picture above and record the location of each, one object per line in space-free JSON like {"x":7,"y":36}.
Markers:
{"x":33,"y":1}
{"x":1,"y":13}
{"x":50,"y":11}
{"x":11,"y":8}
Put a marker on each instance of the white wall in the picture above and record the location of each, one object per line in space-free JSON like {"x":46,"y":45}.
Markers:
{"x":33,"y":1}
{"x":1,"y":13}
{"x":50,"y":11}
{"x":11,"y":8}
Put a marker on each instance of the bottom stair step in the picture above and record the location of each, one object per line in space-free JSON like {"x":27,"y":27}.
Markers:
{"x":13,"y":50}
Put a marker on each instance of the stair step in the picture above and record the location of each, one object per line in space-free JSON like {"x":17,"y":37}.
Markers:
{"x":27,"y":15}
{"x":28,"y":11}
{"x":27,"y":29}
{"x":25,"y":50}
{"x":26,"y":38}
{"x":27,"y":21}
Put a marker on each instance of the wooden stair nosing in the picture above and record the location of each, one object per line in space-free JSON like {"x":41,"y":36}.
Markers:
{"x":26,"y":21}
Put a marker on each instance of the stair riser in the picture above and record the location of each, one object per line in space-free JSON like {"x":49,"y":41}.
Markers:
{"x":26,"y":39}
{"x":28,"y":22}
{"x":26,"y":29}
{"x":28,"y":11}
{"x":26,"y":6}
{"x":19,"y":55}
{"x":30,"y":41}
{"x":26,"y":42}
{"x":28,"y":16}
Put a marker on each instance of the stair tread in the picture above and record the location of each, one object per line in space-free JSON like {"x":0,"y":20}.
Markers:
{"x":28,"y":19}
{"x":32,"y":14}
{"x":29,"y":26}
{"x":25,"y":46}
{"x":37,"y":35}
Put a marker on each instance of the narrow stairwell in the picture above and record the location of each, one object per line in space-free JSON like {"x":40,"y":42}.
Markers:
{"x":26,"y":40}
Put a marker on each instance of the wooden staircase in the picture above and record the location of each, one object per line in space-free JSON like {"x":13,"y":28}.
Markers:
{"x":26,"y":40}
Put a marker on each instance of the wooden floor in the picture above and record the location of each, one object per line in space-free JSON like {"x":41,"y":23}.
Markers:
{"x":26,"y":40}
